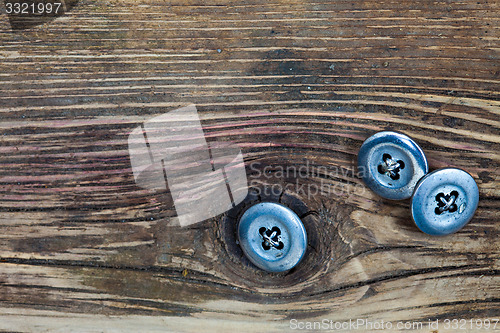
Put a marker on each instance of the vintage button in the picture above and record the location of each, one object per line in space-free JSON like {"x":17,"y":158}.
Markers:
{"x":444,"y":201}
{"x":272,"y":236}
{"x":391,"y":164}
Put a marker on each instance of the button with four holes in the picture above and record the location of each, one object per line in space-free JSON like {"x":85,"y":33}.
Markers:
{"x":391,"y":164}
{"x":272,"y":236}
{"x":444,"y":201}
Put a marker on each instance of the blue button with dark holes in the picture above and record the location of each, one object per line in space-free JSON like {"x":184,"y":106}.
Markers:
{"x":272,"y":236}
{"x":391,"y":164}
{"x":444,"y":201}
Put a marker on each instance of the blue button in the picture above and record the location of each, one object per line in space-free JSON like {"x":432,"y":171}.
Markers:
{"x":391,"y":164}
{"x":444,"y":201}
{"x":272,"y":236}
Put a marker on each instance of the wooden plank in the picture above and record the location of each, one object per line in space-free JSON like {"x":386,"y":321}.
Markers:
{"x":295,"y":85}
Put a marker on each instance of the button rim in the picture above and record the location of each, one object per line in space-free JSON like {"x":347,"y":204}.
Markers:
{"x":414,"y":152}
{"x":296,"y":232}
{"x":471,"y":184}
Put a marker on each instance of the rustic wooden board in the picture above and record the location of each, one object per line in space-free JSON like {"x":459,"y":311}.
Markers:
{"x":294,"y":84}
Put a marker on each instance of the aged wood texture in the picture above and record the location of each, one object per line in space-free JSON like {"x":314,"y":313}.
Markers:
{"x":294,"y":84}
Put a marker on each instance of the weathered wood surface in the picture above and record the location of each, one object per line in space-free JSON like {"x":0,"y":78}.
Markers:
{"x":293,"y":83}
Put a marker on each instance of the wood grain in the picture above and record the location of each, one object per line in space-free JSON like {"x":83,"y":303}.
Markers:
{"x":294,"y":84}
